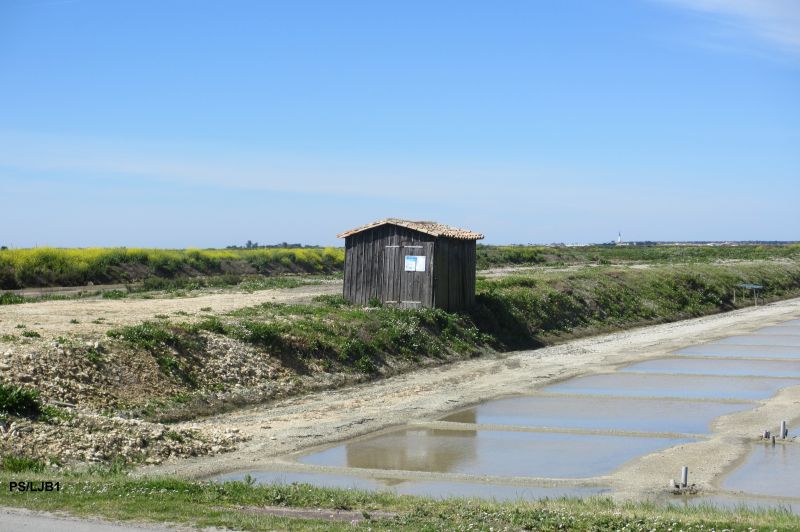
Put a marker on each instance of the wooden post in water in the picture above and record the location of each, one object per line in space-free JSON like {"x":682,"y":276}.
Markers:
{"x":784,"y":430}
{"x":685,"y":476}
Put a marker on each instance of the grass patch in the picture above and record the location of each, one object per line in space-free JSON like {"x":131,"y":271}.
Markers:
{"x":114,"y":294}
{"x":499,"y":256}
{"x":50,"y":414}
{"x":166,"y":343}
{"x":524,"y":310}
{"x":112,"y":494}
{"x":174,"y":436}
{"x":339,"y":335}
{"x":21,"y":464}
{"x":7,"y":298}
{"x":94,"y":356}
{"x":31,"y":334}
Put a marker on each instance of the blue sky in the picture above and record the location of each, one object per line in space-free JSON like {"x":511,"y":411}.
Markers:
{"x":189,"y":123}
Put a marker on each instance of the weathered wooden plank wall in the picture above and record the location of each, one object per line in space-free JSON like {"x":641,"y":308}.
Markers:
{"x":371,"y":273}
{"x":455,"y":274}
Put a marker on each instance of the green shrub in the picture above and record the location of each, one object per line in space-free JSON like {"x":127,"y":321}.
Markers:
{"x":18,"y":401}
{"x":148,"y":335}
{"x":50,"y":414}
{"x":115,"y":294}
{"x":331,"y":300}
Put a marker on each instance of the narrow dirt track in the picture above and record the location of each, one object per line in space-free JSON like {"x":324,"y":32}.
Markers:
{"x":54,"y":318}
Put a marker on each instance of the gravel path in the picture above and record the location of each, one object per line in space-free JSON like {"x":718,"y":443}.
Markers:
{"x":32,"y":521}
{"x":54,"y":318}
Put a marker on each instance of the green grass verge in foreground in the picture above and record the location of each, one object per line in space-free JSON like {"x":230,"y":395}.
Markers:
{"x":117,"y":496}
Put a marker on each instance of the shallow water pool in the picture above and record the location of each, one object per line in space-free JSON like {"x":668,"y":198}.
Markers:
{"x":688,"y":386}
{"x":702,"y":366}
{"x":599,"y":413}
{"x":496,"y":453}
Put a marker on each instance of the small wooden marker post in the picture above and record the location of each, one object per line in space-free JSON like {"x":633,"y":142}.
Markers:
{"x":685,"y":476}
{"x":784,"y":430}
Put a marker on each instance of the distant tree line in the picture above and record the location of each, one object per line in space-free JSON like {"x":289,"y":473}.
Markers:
{"x":255,"y":245}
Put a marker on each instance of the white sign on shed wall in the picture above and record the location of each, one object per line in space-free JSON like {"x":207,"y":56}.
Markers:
{"x":415,"y":263}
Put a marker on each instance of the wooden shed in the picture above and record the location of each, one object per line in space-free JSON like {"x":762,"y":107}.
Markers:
{"x":410,"y":264}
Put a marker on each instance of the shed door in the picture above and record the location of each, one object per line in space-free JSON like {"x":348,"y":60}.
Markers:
{"x":392,"y":264}
{"x":407,"y":274}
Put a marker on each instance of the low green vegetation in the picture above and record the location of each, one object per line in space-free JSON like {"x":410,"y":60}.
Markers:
{"x":523,"y":310}
{"x":235,"y":505}
{"x":499,"y":256}
{"x":7,"y":298}
{"x":21,"y":464}
{"x":330,"y":333}
{"x":19,"y":401}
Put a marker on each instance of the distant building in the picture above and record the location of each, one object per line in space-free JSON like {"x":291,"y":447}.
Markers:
{"x":410,"y":264}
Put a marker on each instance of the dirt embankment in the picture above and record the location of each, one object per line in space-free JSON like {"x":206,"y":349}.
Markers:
{"x":61,"y":350}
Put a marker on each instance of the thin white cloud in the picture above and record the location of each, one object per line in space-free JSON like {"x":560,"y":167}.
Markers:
{"x":776,"y":22}
{"x":354,"y":176}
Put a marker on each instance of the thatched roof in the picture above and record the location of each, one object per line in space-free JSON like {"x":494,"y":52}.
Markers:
{"x":431,"y":228}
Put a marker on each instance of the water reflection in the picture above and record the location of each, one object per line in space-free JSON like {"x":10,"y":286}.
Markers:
{"x":486,"y":452}
{"x":769,"y":470}
{"x":412,"y":450}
